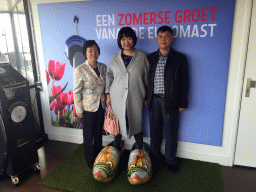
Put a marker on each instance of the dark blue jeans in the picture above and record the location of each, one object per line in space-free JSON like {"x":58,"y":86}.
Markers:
{"x":92,"y":131}
{"x":161,"y":121}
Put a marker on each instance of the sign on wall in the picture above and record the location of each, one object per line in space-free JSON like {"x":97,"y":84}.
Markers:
{"x":202,"y":31}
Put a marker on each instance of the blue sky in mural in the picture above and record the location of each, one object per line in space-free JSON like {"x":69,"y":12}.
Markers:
{"x":202,"y":30}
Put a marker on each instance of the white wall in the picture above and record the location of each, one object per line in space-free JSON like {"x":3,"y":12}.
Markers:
{"x":223,"y":155}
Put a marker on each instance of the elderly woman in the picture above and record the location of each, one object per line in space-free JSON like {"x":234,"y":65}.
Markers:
{"x":126,"y":83}
{"x":89,"y":99}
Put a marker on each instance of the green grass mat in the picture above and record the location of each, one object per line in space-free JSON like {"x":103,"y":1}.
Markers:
{"x":73,"y":175}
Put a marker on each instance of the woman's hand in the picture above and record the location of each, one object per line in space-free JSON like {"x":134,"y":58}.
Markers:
{"x":80,"y":115}
{"x":108,"y":100}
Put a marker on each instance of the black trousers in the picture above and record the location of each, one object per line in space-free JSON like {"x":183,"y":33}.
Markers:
{"x":92,"y":131}
{"x":161,"y":121}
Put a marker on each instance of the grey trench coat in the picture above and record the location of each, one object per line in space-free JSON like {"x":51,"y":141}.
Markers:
{"x":127,"y":89}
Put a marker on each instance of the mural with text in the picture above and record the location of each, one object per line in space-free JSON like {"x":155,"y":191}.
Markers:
{"x":202,"y":31}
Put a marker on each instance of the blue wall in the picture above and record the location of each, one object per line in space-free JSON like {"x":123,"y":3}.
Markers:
{"x":203,"y":31}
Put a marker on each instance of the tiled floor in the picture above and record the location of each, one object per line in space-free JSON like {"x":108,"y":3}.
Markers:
{"x":236,"y":179}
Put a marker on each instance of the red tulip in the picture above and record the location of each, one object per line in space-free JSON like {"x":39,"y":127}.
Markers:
{"x":75,"y":114}
{"x":52,"y":104}
{"x":62,"y":100}
{"x":56,"y":69}
{"x":59,"y":108}
{"x":47,"y":77}
{"x":56,"y":89}
{"x":70,"y":99}
{"x":56,"y":108}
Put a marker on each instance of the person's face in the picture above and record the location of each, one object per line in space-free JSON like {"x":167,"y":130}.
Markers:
{"x":126,"y":43}
{"x":164,"y":39}
{"x":92,"y":53}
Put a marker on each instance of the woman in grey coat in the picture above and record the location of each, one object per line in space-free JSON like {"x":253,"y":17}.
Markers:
{"x":126,"y":83}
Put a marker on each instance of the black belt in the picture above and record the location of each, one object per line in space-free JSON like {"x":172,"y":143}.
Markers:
{"x":159,"y":95}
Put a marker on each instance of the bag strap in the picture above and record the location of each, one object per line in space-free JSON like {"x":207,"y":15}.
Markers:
{"x":110,"y":112}
{"x":109,"y":109}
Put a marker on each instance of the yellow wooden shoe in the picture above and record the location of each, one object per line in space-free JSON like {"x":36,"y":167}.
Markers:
{"x":105,"y":164}
{"x":139,"y":166}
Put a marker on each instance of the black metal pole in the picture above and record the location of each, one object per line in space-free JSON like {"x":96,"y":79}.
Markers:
{"x":34,"y":66}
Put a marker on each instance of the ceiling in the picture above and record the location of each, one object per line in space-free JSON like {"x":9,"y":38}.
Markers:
{"x":11,"y":5}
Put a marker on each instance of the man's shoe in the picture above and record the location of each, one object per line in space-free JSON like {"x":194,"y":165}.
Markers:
{"x":118,"y":147}
{"x":174,"y":168}
{"x":157,"y":162}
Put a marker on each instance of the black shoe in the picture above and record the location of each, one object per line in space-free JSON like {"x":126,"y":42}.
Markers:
{"x":90,"y":164}
{"x":174,"y":168}
{"x":145,"y":147}
{"x":134,"y":146}
{"x":118,"y":147}
{"x":157,"y":162}
{"x":158,"y":159}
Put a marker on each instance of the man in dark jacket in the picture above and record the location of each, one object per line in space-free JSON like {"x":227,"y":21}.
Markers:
{"x":167,"y":96}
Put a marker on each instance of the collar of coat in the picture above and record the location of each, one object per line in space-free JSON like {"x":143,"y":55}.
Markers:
{"x":135,"y":53}
{"x":91,"y":71}
{"x":170,"y":56}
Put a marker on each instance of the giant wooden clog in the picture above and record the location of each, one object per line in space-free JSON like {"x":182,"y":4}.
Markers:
{"x":139,"y":166}
{"x":105,"y":164}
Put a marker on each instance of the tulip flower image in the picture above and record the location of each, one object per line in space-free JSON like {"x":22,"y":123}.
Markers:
{"x":61,"y":103}
{"x":59,"y":110}
{"x":61,"y":100}
{"x":63,"y":107}
{"x":56,"y":71}
{"x":56,"y":90}
{"x":63,"y":113}
{"x":47,"y":77}
{"x":53,"y":104}
{"x":70,"y":99}
{"x":75,"y":114}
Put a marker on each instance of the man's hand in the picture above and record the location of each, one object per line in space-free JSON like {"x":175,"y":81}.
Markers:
{"x":182,"y":109}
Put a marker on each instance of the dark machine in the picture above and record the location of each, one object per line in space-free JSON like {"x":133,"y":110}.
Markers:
{"x":18,"y":149}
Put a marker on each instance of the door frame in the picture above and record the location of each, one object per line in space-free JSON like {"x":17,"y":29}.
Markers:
{"x":36,"y":71}
{"x":239,"y":47}
{"x":243,"y":124}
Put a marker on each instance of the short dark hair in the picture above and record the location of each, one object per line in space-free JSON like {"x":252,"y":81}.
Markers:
{"x":90,"y":43}
{"x":128,"y":32}
{"x":164,"y":28}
